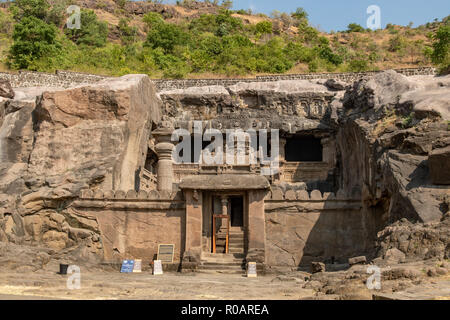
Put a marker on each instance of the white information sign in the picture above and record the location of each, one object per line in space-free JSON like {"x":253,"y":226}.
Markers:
{"x":157,"y":268}
{"x":251,"y":270}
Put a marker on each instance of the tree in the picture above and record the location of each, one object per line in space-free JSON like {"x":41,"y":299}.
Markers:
{"x":301,"y":16}
{"x":29,"y":8}
{"x":34,"y":37}
{"x":441,"y":45}
{"x":33,"y":40}
{"x":165,"y":36}
{"x":128,"y":33}
{"x":354,"y":27}
{"x":92,"y":33}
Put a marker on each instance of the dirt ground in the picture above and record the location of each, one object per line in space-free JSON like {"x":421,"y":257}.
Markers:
{"x":99,"y":285}
{"x":172,"y":286}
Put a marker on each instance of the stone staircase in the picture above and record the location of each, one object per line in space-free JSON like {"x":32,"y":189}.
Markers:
{"x":231,"y":263}
{"x":236,"y":242}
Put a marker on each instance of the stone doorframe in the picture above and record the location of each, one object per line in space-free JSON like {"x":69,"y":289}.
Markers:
{"x":225,"y":204}
{"x":256,"y":188}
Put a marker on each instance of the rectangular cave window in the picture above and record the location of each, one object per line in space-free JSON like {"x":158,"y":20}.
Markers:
{"x":303,"y":149}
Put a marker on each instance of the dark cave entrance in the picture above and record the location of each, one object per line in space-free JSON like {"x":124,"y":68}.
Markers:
{"x":303,"y":149}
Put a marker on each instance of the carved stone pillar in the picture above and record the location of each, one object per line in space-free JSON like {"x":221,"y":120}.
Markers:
{"x":164,"y":148}
{"x":328,"y":151}
{"x":224,"y":201}
{"x":193,"y":235}
{"x":256,"y":228}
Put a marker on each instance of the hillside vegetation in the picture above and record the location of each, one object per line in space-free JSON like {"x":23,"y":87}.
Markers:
{"x":202,"y":39}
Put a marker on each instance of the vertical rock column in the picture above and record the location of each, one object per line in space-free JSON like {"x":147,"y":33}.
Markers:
{"x":256,"y":229}
{"x":163,"y":148}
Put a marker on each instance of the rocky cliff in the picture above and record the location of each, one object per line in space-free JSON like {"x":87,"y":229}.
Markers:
{"x":55,"y":142}
{"x":393,"y":129}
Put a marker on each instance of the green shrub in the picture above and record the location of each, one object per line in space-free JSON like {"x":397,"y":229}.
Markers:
{"x":327,"y":54}
{"x":264,"y":27}
{"x":358,"y":65}
{"x":397,"y":43}
{"x":354,"y":27}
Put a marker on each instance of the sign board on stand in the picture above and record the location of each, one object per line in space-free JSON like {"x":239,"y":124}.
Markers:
{"x":127,"y":266}
{"x":157,"y":268}
{"x":165,"y":252}
{"x":137,"y":266}
{"x":251,"y":270}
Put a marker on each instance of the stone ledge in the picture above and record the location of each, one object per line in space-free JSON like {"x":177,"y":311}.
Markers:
{"x":297,"y":206}
{"x":276,"y":194}
{"x":131,"y":195}
{"x":113,"y":204}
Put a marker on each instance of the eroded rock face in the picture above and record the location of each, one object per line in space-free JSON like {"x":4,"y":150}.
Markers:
{"x":389,"y":141}
{"x":55,"y":142}
{"x":288,"y":105}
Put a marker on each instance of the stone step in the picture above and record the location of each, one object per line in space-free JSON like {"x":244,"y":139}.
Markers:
{"x":222,"y":256}
{"x":231,"y":259}
{"x":221,"y":267}
{"x":237,"y":235}
{"x":208,"y":271}
{"x":221,"y":262}
{"x":232,"y":236}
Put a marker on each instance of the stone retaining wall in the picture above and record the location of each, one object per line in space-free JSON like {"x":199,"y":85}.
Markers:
{"x":347,"y":77}
{"x":67,"y":78}
{"x":63,"y":79}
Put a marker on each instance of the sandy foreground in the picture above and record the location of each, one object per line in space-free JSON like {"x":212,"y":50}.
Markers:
{"x":98,"y":285}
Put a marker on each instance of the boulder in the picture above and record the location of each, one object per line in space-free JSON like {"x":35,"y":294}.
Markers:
{"x":439,"y":163}
{"x":317,"y":267}
{"x":378,"y":91}
{"x":334,"y":84}
{"x":357,"y":260}
{"x":6,"y":90}
{"x":394,"y":256}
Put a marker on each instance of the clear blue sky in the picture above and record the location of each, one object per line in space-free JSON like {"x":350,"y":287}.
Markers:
{"x":337,"y":14}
